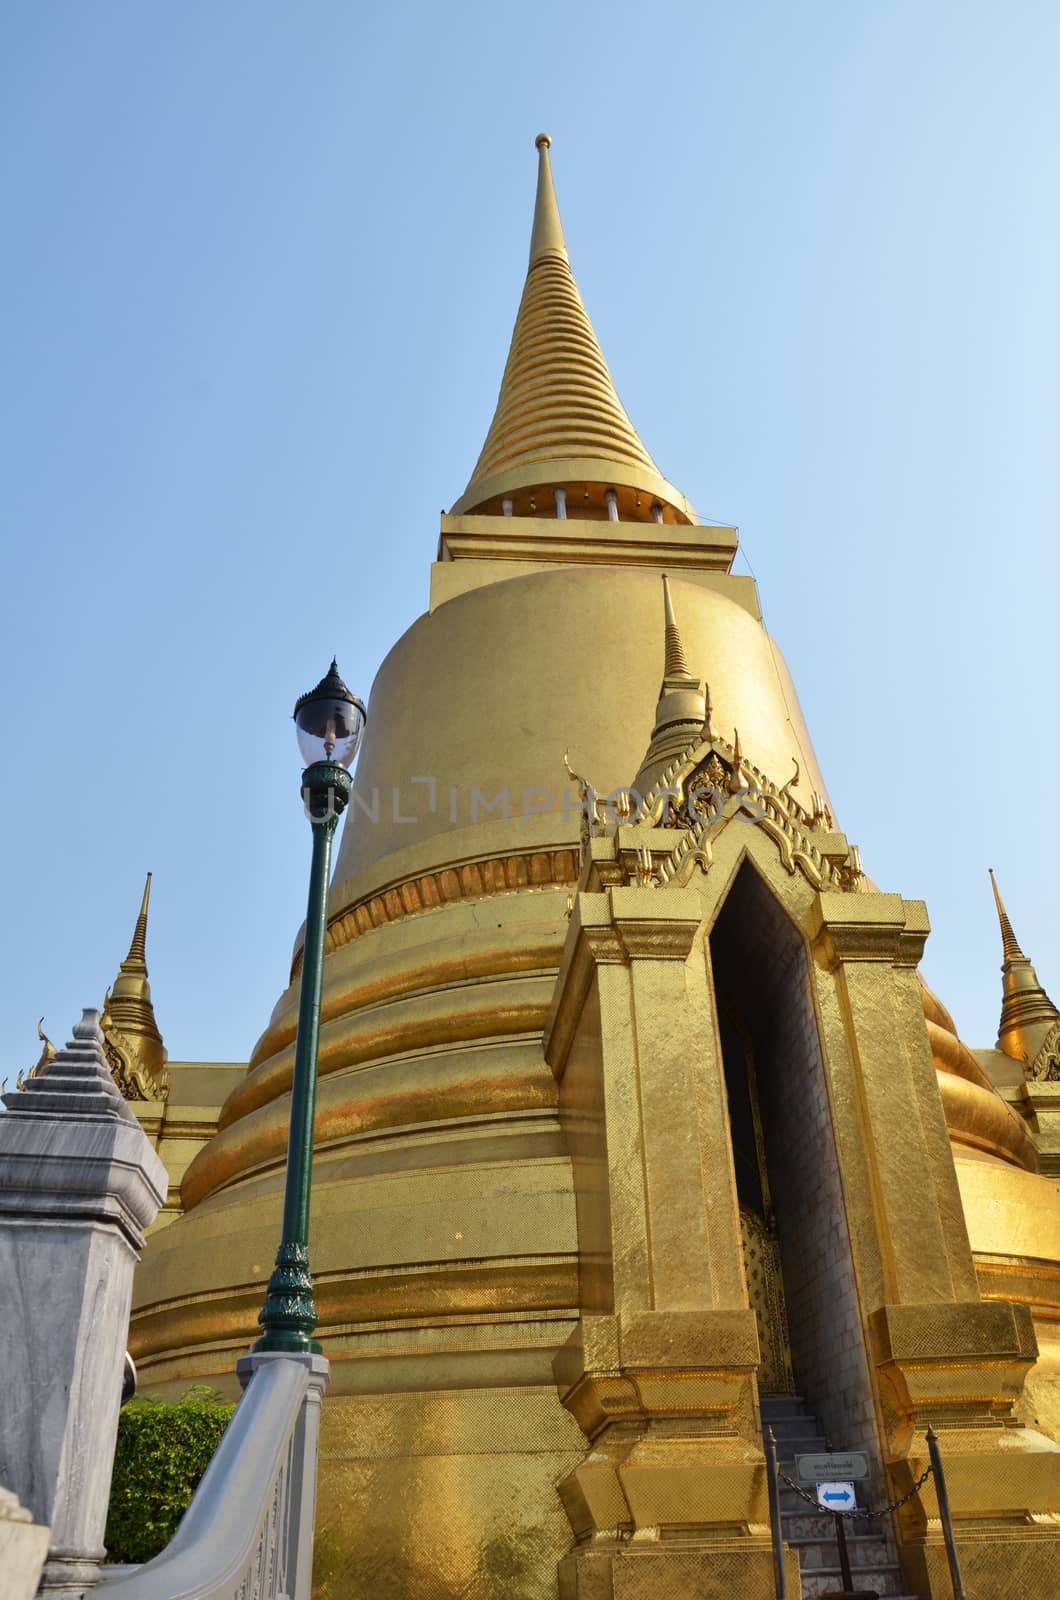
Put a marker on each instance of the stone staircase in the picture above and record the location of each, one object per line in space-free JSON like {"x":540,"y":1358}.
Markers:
{"x":872,"y":1562}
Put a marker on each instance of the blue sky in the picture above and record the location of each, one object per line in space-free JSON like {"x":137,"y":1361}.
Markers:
{"x":260,"y":271}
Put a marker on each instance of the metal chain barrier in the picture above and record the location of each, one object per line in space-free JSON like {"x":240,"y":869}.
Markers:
{"x":776,"y":1477}
{"x":883,"y":1511}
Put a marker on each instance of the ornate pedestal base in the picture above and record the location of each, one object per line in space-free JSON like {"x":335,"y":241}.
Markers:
{"x":960,"y":1367}
{"x":672,"y":1496}
{"x":641,"y":1569}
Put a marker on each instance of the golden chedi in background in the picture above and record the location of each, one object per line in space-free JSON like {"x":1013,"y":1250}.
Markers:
{"x":633,"y":1110}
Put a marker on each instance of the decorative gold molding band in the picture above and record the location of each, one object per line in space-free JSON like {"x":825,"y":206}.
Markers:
{"x":527,"y":1286}
{"x":426,"y":891}
{"x":1034,"y":1282}
{"x":387,"y":1094}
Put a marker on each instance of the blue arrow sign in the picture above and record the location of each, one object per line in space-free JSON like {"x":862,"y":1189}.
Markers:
{"x":837,"y":1496}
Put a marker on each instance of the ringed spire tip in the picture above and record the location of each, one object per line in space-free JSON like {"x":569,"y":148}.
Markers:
{"x":675,"y":665}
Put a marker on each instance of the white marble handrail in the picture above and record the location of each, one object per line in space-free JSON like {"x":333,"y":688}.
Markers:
{"x":248,"y":1532}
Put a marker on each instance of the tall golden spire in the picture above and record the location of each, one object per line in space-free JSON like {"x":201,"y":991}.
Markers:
{"x":559,"y":424}
{"x":1028,"y":1015}
{"x":132,"y":1039}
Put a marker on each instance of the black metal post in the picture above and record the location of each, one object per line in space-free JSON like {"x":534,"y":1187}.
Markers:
{"x":774,"y":1516}
{"x":844,"y":1554}
{"x":944,"y":1513}
{"x":289,"y":1316}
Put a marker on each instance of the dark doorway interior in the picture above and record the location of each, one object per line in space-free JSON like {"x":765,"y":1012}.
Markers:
{"x":787,"y":1170}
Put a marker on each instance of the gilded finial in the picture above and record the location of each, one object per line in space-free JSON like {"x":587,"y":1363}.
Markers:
{"x":47,"y":1053}
{"x":735,"y":783}
{"x":589,"y":807}
{"x":137,"y":956}
{"x":1030,"y":1023}
{"x":585,"y":788}
{"x":547,"y":235}
{"x":785,"y":793}
{"x":46,"y":1056}
{"x":709,"y":732}
{"x":1009,"y":942}
{"x":675,"y":665}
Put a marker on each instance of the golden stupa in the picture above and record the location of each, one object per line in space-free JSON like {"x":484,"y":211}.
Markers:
{"x":633,"y":1107}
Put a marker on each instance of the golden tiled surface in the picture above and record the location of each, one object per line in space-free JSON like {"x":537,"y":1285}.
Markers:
{"x":1000,"y":1564}
{"x":718,"y":1572}
{"x":445,"y":1495}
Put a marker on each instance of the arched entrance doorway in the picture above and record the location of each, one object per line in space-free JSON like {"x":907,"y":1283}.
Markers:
{"x":797,"y":1253}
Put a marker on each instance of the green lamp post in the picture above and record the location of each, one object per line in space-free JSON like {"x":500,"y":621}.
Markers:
{"x":329,"y":721}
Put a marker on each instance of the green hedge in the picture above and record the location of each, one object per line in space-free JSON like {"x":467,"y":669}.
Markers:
{"x":163,"y":1451}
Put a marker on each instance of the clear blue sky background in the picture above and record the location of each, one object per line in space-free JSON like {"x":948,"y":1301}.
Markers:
{"x":260,"y":267}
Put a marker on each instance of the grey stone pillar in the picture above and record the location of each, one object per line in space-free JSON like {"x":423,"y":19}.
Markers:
{"x":79,"y":1182}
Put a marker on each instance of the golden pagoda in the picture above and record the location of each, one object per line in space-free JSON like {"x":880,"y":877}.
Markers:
{"x":635,"y":1117}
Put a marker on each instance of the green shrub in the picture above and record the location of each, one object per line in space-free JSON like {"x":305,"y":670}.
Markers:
{"x":163,"y":1451}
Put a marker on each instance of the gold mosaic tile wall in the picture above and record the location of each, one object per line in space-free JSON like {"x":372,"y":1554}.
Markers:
{"x":445,"y":1495}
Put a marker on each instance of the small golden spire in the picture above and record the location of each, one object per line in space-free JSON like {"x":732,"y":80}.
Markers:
{"x":675,"y":665}
{"x":735,"y":776}
{"x":546,"y":238}
{"x":1028,"y":1016}
{"x":681,"y":709}
{"x":559,"y":423}
{"x":708,"y":732}
{"x":137,"y":957}
{"x":132,"y":1039}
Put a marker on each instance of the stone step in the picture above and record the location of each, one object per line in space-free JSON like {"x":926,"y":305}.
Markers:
{"x":783,"y":1405}
{"x":829,"y":1580}
{"x":789,"y":1428}
{"x":798,"y":1432}
{"x":867,"y":1553}
{"x":807,"y":1524}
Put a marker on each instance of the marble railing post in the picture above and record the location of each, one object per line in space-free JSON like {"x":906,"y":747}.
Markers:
{"x":79,"y":1182}
{"x":23,"y":1547}
{"x":299,"y":1509}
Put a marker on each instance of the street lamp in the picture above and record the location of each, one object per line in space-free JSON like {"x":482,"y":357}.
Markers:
{"x":329,"y":723}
